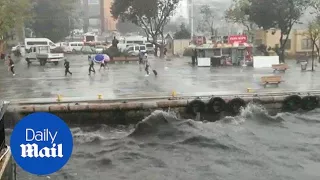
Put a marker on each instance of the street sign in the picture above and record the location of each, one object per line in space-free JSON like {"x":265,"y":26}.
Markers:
{"x":239,"y":39}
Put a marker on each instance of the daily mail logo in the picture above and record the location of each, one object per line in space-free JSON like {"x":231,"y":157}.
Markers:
{"x":33,"y":150}
{"x":41,"y":143}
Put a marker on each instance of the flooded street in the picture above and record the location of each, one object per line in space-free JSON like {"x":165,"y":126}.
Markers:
{"x":128,"y":80}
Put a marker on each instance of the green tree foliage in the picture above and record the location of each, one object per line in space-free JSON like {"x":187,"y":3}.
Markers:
{"x":238,"y":13}
{"x":12,"y":14}
{"x":278,"y":14}
{"x":183,"y":33}
{"x":150,"y":15}
{"x":53,"y":19}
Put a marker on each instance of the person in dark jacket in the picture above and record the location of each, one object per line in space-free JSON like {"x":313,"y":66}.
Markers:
{"x":11,"y":65}
{"x":67,"y":67}
{"x":91,"y":67}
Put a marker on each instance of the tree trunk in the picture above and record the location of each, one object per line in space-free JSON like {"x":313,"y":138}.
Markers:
{"x":156,"y":51}
{"x":312,"y":57}
{"x":161,"y":50}
{"x":281,"y":55}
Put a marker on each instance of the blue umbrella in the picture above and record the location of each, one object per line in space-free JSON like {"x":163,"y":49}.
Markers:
{"x":99,"y":58}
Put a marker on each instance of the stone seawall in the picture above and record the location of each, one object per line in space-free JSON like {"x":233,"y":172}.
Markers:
{"x":88,"y":112}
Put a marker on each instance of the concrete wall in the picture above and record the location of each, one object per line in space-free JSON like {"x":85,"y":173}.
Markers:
{"x":133,"y":111}
{"x":179,"y":45}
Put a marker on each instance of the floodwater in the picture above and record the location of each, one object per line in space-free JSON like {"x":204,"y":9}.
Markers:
{"x":128,"y":80}
{"x":250,"y":146}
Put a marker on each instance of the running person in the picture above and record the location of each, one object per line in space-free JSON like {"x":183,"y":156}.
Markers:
{"x":147,"y":68}
{"x":141,"y":56}
{"x":91,"y":67}
{"x":67,"y":67}
{"x":11,"y":65}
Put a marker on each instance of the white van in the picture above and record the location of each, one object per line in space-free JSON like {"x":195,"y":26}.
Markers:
{"x":75,"y":46}
{"x":29,"y":42}
{"x":150,"y":48}
{"x":134,"y":49}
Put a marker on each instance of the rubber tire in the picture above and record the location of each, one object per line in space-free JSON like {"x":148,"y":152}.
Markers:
{"x":292,"y":103}
{"x":56,"y":63}
{"x":235,"y":105}
{"x":196,"y":106}
{"x":309,"y":103}
{"x":216,"y":101}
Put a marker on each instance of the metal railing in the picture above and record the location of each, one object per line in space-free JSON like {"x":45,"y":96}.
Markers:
{"x":3,"y":108}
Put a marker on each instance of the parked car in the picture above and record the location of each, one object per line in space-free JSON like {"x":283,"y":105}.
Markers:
{"x":88,"y":50}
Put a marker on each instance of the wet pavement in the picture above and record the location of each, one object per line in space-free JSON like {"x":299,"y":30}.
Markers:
{"x":128,"y":80}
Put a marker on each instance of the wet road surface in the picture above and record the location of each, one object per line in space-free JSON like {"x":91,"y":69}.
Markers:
{"x":128,"y":80}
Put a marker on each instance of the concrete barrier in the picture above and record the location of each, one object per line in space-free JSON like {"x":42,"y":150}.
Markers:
{"x":131,"y":111}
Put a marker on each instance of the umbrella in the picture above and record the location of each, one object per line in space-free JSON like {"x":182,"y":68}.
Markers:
{"x":106,"y":58}
{"x":99,"y":58}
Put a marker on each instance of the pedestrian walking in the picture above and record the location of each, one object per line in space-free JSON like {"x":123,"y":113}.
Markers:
{"x":11,"y":65}
{"x":147,"y":68}
{"x":91,"y":68}
{"x":102,"y":65}
{"x":141,"y":57}
{"x":67,"y":67}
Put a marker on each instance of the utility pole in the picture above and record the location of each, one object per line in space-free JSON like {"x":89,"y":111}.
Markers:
{"x":192,"y":17}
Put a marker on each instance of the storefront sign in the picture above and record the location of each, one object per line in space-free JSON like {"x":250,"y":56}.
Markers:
{"x":238,"y":39}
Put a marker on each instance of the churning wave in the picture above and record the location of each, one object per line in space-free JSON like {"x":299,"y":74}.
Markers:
{"x":253,"y":145}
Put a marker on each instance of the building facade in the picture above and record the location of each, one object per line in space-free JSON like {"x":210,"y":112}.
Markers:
{"x":298,"y":41}
{"x":98,"y":16}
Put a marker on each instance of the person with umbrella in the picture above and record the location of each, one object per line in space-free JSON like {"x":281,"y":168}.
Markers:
{"x":67,"y":67}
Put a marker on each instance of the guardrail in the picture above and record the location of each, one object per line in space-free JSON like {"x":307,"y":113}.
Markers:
{"x":3,"y":107}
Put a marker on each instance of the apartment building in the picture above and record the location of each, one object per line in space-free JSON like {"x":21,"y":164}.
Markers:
{"x":298,"y":41}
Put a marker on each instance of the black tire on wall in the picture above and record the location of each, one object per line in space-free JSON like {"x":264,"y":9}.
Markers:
{"x":309,"y":103}
{"x":235,"y":105}
{"x":216,"y":105}
{"x":292,"y":103}
{"x":196,"y":106}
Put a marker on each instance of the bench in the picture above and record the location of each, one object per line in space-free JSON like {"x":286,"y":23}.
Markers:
{"x":280,"y":67}
{"x":266,"y":80}
{"x":124,"y":59}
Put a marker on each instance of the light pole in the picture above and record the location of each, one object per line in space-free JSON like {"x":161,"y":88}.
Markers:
{"x":192,"y":17}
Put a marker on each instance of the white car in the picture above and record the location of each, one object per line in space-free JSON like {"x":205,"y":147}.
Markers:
{"x":99,"y":49}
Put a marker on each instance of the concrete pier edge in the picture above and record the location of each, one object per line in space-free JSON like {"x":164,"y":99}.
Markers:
{"x":135,"y":109}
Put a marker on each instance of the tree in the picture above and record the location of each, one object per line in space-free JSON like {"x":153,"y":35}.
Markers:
{"x":207,"y":20}
{"x":53,"y":19}
{"x":183,"y":33}
{"x":151,"y":16}
{"x":313,"y":34}
{"x":237,"y":13}
{"x":13,"y":13}
{"x":278,"y":14}
{"x":315,"y":5}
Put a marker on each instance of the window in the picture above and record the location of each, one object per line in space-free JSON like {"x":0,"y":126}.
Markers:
{"x":136,"y":48}
{"x":287,"y":45}
{"x":149,"y":45}
{"x":130,"y":42}
{"x":51,"y":44}
{"x":306,"y":44}
{"x":138,"y":42}
{"x":142,"y":48}
{"x":130,"y":49}
{"x":37,"y":43}
{"x":258,"y":42}
{"x":73,"y":44}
